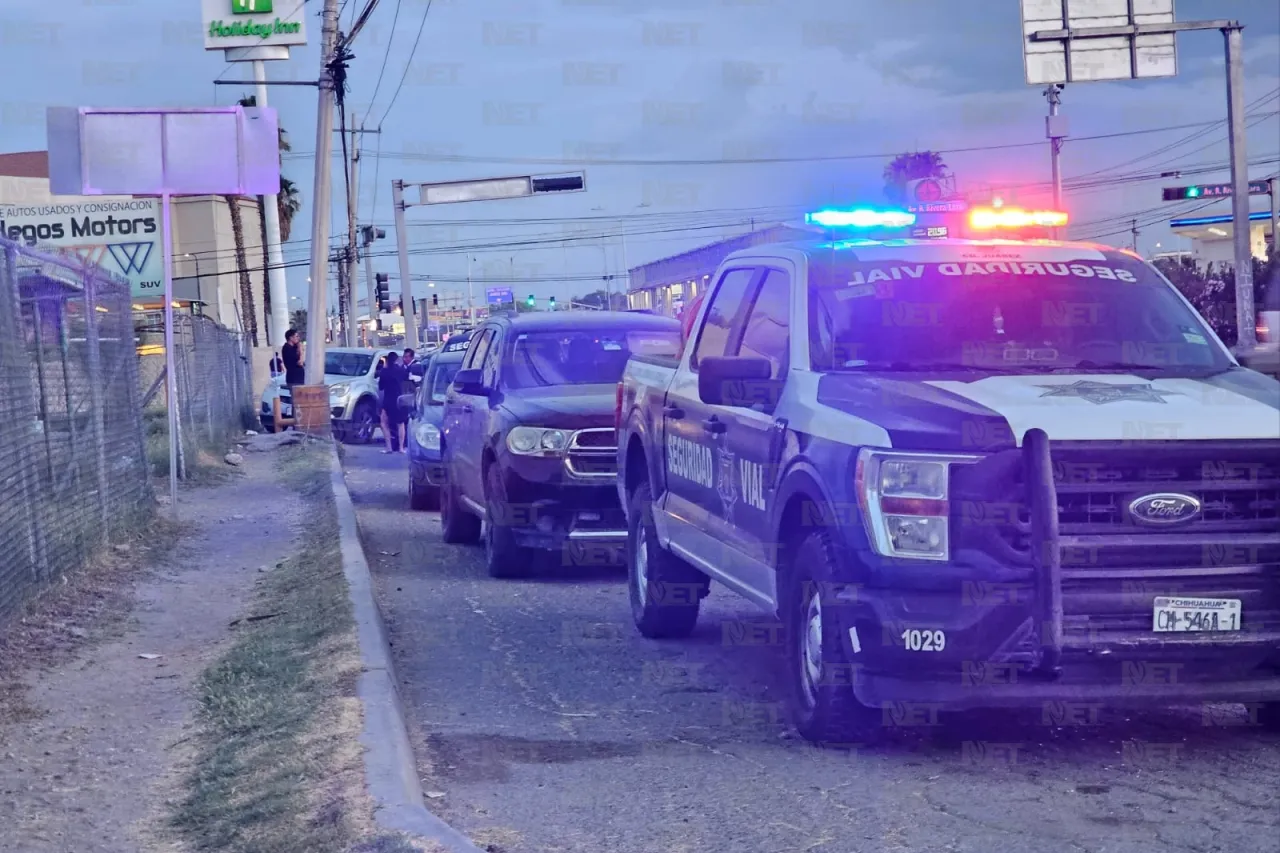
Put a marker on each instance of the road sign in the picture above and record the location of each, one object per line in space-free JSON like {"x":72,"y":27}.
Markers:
{"x":496,"y":188}
{"x":1213,"y":191}
{"x":500,"y":295}
{"x":1051,"y":55}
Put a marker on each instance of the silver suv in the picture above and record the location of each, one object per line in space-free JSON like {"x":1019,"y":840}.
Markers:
{"x":351,"y":374}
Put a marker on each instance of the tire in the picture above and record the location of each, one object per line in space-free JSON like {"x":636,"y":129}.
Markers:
{"x":666,"y":592}
{"x":819,"y":674}
{"x":458,"y":527}
{"x":423,"y":497}
{"x":364,"y":420}
{"x":504,"y":558}
{"x":1269,"y":716}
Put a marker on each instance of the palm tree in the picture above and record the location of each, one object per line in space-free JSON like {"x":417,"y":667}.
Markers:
{"x":298,"y":320}
{"x":242,"y":267}
{"x":908,"y":167}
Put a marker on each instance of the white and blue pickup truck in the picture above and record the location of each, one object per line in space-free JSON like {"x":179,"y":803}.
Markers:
{"x":962,"y":474}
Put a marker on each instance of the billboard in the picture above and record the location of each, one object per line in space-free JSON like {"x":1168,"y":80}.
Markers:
{"x":254,"y":23}
{"x":118,"y":233}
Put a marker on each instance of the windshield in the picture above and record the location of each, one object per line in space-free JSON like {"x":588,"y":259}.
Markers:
{"x":347,"y":363}
{"x":1111,"y":314}
{"x":440,"y":378}
{"x":546,"y":358}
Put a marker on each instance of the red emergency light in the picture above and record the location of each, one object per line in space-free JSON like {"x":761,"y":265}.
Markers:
{"x":997,"y":218}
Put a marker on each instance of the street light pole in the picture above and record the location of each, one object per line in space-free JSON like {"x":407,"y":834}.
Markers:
{"x":277,"y":285}
{"x":1247,"y":335}
{"x":316,"y":304}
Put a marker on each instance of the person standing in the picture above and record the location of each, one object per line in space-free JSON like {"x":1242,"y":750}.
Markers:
{"x":390,"y":385}
{"x":291,"y":354}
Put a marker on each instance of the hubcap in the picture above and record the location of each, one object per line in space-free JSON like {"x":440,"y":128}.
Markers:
{"x":642,"y":566}
{"x":811,"y":647}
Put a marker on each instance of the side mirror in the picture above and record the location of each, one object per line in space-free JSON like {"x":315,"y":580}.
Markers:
{"x":408,"y":402}
{"x":740,"y":381}
{"x":470,"y":382}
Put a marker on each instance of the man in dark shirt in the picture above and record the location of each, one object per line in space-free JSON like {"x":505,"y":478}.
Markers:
{"x":291,"y":352}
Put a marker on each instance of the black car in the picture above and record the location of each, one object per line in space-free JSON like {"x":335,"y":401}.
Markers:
{"x":529,"y":439}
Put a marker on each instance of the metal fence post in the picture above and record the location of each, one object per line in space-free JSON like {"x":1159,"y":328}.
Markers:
{"x":95,"y":391}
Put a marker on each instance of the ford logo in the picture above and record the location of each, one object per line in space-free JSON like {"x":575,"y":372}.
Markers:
{"x":1164,"y":508}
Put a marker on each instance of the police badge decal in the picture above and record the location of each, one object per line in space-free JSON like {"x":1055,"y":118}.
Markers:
{"x":724,"y":485}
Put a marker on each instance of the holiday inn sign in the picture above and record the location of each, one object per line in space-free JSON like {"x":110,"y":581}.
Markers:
{"x":253,"y":23}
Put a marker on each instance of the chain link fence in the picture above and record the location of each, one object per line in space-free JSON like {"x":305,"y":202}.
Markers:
{"x":73,"y":466}
{"x":215,"y":390}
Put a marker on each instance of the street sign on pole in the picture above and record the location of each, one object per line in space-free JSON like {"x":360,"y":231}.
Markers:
{"x":1129,"y":55}
{"x":1213,"y":191}
{"x":1070,"y":42}
{"x":500,"y":295}
{"x":225,"y":151}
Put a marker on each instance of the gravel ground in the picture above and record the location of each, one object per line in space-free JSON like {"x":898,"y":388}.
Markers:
{"x":544,"y":722}
{"x":90,"y":766}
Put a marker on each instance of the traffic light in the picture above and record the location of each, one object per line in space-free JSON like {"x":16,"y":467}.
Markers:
{"x":369,"y":233}
{"x":553,"y":303}
{"x":383,"y":285}
{"x":435,"y":300}
{"x":529,"y":301}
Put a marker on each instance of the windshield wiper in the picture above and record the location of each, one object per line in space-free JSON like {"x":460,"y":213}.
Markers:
{"x":927,"y":366}
{"x":1123,"y":367}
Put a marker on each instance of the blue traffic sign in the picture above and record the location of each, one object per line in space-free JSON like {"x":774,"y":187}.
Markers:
{"x":500,"y":295}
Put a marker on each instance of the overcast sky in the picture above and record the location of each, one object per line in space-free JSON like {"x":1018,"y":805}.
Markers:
{"x":509,"y":87}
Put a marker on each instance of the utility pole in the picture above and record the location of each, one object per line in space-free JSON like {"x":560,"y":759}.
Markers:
{"x":353,"y":252}
{"x":471,"y":301}
{"x":316,"y":307}
{"x":1055,"y":128}
{"x":1133,"y":226}
{"x":1246,"y":323}
{"x":1274,"y":185}
{"x":402,"y":250}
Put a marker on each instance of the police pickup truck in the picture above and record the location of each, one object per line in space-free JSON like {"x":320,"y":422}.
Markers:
{"x":962,"y":473}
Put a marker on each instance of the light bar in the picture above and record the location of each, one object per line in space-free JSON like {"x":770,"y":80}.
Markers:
{"x":861,"y":218}
{"x":987,"y":218}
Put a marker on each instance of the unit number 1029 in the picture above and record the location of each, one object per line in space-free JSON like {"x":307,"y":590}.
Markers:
{"x":924,"y":641}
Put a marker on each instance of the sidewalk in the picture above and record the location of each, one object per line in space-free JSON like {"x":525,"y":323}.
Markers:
{"x":101,"y":746}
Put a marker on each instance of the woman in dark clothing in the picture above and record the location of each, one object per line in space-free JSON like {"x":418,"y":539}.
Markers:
{"x":391,"y":381}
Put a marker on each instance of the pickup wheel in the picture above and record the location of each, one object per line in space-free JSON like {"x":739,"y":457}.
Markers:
{"x":1269,"y":716}
{"x":363,"y":422}
{"x":504,"y":557}
{"x":458,"y":527}
{"x":666,"y":593}
{"x":819,"y":674}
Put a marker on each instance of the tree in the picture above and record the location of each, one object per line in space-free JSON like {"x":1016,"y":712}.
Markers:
{"x":298,"y":320}
{"x":600,"y":299}
{"x":911,"y":166}
{"x":242,"y":267}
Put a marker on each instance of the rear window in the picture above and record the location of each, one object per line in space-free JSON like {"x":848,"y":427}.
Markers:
{"x":582,"y":357}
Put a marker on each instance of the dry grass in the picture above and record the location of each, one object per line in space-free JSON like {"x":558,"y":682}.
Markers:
{"x":75,"y":611}
{"x":277,"y":764}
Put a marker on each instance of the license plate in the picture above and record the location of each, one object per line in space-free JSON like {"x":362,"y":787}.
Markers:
{"x":1196,"y":614}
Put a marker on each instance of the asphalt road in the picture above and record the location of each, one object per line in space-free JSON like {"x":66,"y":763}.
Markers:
{"x":548,"y":724}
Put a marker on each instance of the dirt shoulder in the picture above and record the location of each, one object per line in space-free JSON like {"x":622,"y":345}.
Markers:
{"x":194,"y":691}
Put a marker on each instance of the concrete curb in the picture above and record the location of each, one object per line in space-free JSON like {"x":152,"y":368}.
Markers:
{"x":390,"y":768}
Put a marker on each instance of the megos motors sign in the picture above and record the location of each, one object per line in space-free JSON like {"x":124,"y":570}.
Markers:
{"x":120,"y":235}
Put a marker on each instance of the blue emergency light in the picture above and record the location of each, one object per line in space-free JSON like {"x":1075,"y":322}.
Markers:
{"x":860,"y":218}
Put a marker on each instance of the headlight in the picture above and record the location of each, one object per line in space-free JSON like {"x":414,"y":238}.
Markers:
{"x":339,"y":391}
{"x":905,"y":502}
{"x":537,"y":441}
{"x":427,"y":436}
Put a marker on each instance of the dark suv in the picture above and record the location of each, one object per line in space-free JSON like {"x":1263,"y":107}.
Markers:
{"x":529,"y":443}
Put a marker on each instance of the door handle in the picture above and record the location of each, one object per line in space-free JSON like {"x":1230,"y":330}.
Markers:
{"x":714,"y":425}
{"x":673,"y":412}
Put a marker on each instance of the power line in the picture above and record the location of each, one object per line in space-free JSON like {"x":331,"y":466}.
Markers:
{"x":386,"y":56}
{"x":548,"y":161}
{"x":408,"y":64}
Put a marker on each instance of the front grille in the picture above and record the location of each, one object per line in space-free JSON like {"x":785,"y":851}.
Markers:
{"x":593,"y":454}
{"x":1113,"y":566}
